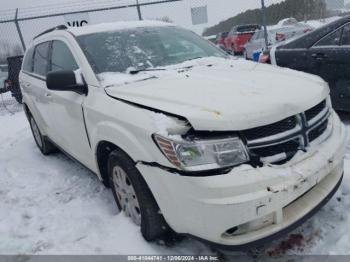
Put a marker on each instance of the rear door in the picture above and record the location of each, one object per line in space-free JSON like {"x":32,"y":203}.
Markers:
{"x":330,"y":59}
{"x":70,"y":132}
{"x":35,"y":85}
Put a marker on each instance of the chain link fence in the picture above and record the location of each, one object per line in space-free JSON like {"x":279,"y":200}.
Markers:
{"x":18,"y":27}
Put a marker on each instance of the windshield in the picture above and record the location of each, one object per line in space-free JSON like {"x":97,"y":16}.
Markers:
{"x":143,"y":48}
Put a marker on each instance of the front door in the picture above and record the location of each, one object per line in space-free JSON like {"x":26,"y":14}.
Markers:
{"x":68,"y":112}
{"x":330,"y":59}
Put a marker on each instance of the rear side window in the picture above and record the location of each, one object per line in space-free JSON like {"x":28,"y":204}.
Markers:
{"x":41,"y":59}
{"x":346,"y":35}
{"x":62,"y":58}
{"x":28,"y":61}
{"x":332,"y":39}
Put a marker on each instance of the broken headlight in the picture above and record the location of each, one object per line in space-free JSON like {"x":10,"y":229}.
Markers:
{"x":203,"y":154}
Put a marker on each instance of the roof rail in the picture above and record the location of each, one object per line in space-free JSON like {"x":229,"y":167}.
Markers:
{"x":59,"y":27}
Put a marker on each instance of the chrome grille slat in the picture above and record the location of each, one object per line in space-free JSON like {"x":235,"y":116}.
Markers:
{"x":318,"y":117}
{"x":267,"y":140}
{"x":307,"y":124}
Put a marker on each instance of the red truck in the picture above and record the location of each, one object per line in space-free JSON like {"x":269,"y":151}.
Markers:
{"x":239,"y":36}
{"x":220,"y":39}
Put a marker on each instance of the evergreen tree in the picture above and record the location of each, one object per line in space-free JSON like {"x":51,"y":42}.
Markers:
{"x":299,"y":9}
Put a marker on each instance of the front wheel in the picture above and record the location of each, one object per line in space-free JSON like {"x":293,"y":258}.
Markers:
{"x":18,"y":98}
{"x":133,"y":196}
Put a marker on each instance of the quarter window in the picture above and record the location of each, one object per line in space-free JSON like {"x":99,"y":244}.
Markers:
{"x":28,"y":61}
{"x":346,"y":35}
{"x":62,"y":58}
{"x":41,"y":59}
{"x":332,"y":39}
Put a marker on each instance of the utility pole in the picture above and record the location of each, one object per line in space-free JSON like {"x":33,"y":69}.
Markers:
{"x":138,"y":9}
{"x":19,"y":31}
{"x":263,"y":10}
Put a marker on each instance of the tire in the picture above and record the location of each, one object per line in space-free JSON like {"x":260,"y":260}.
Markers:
{"x":45,"y":146}
{"x":18,"y":98}
{"x":233,"y":50}
{"x":140,"y":205}
{"x":245,"y":55}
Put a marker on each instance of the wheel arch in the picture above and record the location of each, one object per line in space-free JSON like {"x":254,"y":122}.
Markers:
{"x":103,"y":150}
{"x":26,"y":110}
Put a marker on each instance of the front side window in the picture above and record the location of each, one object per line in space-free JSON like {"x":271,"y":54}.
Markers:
{"x":62,"y":58}
{"x":346,"y":35}
{"x":332,"y":39}
{"x":143,"y":48}
{"x":41,"y":59}
{"x":28,"y":60}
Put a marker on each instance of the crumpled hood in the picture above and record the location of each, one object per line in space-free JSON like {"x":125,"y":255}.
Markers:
{"x":228,"y":96}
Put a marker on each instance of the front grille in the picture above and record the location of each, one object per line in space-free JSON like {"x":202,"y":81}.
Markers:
{"x":289,"y":148}
{"x":313,"y":112}
{"x":285,"y":138}
{"x":318,"y":131}
{"x":270,"y":130}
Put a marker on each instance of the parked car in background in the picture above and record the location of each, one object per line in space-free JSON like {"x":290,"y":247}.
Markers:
{"x":12,"y":81}
{"x":276,"y":34}
{"x":239,"y":36}
{"x":9,"y":77}
{"x":187,"y":138}
{"x":257,"y":43}
{"x":3,"y":74}
{"x":324,"y":52}
{"x":220,"y":39}
{"x":211,"y":38}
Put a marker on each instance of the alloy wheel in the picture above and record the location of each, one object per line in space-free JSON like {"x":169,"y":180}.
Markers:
{"x":126,"y":195}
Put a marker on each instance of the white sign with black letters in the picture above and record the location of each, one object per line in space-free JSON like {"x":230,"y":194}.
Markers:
{"x":77,"y":20}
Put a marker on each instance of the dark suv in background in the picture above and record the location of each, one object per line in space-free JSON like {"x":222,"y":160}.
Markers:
{"x":324,"y":52}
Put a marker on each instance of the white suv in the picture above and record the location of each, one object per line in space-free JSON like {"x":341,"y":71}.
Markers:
{"x":188,"y":138}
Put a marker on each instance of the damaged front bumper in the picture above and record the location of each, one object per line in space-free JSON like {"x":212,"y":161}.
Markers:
{"x":250,"y":204}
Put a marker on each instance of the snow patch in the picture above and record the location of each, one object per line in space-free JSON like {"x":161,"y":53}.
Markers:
{"x":119,"y":79}
{"x":108,"y":79}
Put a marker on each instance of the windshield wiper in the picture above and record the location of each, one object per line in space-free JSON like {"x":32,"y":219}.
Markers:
{"x":136,"y":71}
{"x":195,"y":58}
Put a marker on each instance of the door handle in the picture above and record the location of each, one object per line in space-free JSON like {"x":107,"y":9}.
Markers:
{"x":319,"y":56}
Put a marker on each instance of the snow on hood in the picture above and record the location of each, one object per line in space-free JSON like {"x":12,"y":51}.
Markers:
{"x":224,"y":95}
{"x":108,"y":79}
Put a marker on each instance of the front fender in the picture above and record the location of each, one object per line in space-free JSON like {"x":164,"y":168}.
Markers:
{"x":134,"y":144}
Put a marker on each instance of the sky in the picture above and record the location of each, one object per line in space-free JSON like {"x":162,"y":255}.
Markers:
{"x":178,"y":12}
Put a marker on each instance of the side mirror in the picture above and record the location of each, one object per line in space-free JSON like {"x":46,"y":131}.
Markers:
{"x":66,"y":80}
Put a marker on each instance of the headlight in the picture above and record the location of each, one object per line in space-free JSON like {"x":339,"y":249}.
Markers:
{"x":204,"y":154}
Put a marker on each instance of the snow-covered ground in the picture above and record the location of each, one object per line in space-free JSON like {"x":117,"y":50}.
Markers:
{"x":52,"y":205}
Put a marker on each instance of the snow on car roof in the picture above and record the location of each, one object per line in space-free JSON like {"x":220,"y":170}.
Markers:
{"x":116,"y":26}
